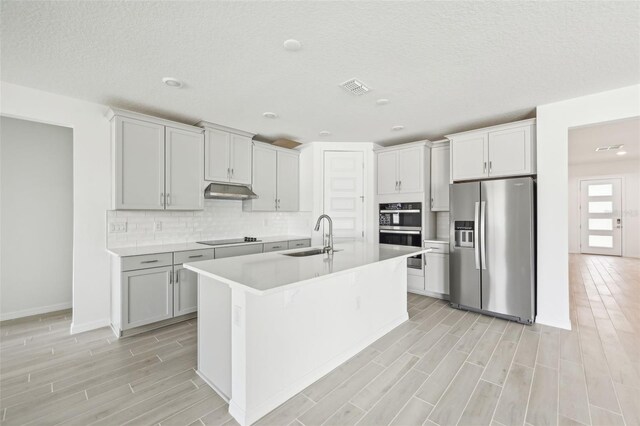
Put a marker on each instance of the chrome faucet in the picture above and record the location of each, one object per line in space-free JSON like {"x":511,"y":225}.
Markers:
{"x":328,"y":248}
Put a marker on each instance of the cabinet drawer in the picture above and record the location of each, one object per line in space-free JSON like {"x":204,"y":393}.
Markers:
{"x":438,"y":247}
{"x":147,"y":261}
{"x":238,"y":250}
{"x":192,"y":256}
{"x":281,"y":245}
{"x":299,"y":244}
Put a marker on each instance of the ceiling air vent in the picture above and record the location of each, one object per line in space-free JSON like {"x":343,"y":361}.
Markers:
{"x":355,"y":86}
{"x":609,"y":148}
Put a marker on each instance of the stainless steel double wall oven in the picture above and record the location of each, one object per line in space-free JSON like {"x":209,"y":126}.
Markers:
{"x":401,"y":223}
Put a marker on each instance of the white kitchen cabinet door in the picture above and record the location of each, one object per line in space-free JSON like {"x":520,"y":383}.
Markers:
{"x":469,"y":157}
{"x":440,"y":178}
{"x":217,"y":151}
{"x":387,"y":172}
{"x":437,"y":273}
{"x":510,"y":152}
{"x":139,"y":165}
{"x":264,"y":179}
{"x":288,"y":181}
{"x":185,"y":291}
{"x":147,"y":296}
{"x":240,"y":159}
{"x":184,"y":174}
{"x":410,"y":166}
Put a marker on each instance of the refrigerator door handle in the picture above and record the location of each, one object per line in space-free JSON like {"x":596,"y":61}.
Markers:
{"x":483,"y":241}
{"x":476,"y":247}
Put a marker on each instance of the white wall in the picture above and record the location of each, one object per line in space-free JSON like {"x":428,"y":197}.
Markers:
{"x":629,"y":171}
{"x":36,"y":203}
{"x":91,"y":189}
{"x":553,"y":123}
{"x":219,"y":219}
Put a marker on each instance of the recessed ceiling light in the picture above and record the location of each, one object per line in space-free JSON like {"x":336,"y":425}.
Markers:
{"x":397,"y":128}
{"x":325,"y":133}
{"x":382,"y":101}
{"x":172,"y":82}
{"x":270,"y":115}
{"x":621,"y":153}
{"x":292,"y":45}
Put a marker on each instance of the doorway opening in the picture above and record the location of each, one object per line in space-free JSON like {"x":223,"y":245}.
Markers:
{"x":36,"y":220}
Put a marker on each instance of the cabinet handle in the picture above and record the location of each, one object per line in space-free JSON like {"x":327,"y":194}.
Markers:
{"x":195,"y":255}
{"x":168,"y":199}
{"x":276,"y":247}
{"x":177,"y":277}
{"x":490,"y":166}
{"x":232,"y":172}
{"x":484,"y":168}
{"x":170,"y":278}
{"x":228,"y":172}
{"x":431,"y":202}
{"x":149,"y":261}
{"x":400,"y":185}
{"x":162,"y":199}
{"x":396,"y":185}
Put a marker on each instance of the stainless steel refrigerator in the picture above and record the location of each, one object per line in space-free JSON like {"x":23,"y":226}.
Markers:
{"x":492,"y":247}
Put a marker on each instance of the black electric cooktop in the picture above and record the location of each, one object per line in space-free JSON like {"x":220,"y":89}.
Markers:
{"x":230,"y":241}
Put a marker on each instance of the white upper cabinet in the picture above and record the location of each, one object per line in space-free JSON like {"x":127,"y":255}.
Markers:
{"x":288,"y":181}
{"x":401,"y":170}
{"x":499,"y":151}
{"x":276,"y":179}
{"x":184,"y":149}
{"x":227,"y":154}
{"x":157,"y":164}
{"x":440,"y":177}
{"x":138,"y":166}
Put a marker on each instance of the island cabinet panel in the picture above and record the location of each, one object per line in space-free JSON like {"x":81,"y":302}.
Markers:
{"x":262,"y":349}
{"x":185,"y":291}
{"x":147,"y":296}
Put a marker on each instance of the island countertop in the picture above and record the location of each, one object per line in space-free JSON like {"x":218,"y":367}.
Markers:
{"x":272,"y":272}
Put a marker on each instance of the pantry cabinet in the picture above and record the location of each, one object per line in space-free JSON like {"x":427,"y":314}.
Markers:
{"x":156,"y":164}
{"x":498,"y":151}
{"x":276,"y":179}
{"x":227,"y":154}
{"x":440,"y":176}
{"x":400,"y":170}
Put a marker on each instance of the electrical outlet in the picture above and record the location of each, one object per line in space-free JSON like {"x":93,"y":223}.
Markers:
{"x":157,"y":226}
{"x":118,"y":227}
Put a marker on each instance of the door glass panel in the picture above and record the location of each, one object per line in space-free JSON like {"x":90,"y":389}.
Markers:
{"x":600,"y":224}
{"x":604,"y":190}
{"x":605,"y":241}
{"x":600,"y":206}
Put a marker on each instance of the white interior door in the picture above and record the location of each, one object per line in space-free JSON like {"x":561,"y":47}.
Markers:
{"x":600,"y":216}
{"x":344,"y":193}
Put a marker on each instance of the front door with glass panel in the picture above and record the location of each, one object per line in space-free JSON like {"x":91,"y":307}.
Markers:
{"x":601,"y":216}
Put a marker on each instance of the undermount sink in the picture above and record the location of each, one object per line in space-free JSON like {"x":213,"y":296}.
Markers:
{"x":303,"y":253}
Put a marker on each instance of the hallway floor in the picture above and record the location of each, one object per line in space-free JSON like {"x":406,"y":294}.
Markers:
{"x":442,"y":367}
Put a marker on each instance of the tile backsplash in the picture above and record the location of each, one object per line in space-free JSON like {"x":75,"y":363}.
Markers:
{"x":219,"y":219}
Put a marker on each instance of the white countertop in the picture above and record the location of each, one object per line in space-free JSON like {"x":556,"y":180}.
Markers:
{"x":271,"y":272}
{"x":168,"y":248}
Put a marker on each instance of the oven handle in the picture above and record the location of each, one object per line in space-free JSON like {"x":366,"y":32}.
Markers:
{"x":388,"y":231}
{"x":400,"y":211}
{"x":400,"y":228}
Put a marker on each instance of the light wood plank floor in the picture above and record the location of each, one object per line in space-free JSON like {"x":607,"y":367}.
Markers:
{"x":442,"y":367}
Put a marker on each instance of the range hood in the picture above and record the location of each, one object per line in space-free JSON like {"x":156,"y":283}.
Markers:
{"x":224,"y":191}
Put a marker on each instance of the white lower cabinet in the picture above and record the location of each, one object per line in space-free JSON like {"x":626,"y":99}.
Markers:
{"x":436,"y":269}
{"x":185,"y":291}
{"x":146,"y":296}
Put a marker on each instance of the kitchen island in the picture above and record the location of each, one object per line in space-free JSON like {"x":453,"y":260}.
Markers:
{"x":271,"y":324}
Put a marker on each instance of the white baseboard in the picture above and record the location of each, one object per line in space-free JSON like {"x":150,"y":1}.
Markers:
{"x":34,"y":311}
{"x":88,"y":326}
{"x":566,"y":325}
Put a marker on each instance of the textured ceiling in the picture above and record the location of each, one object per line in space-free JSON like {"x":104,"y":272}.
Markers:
{"x":583,"y":141}
{"x":445,"y":66}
